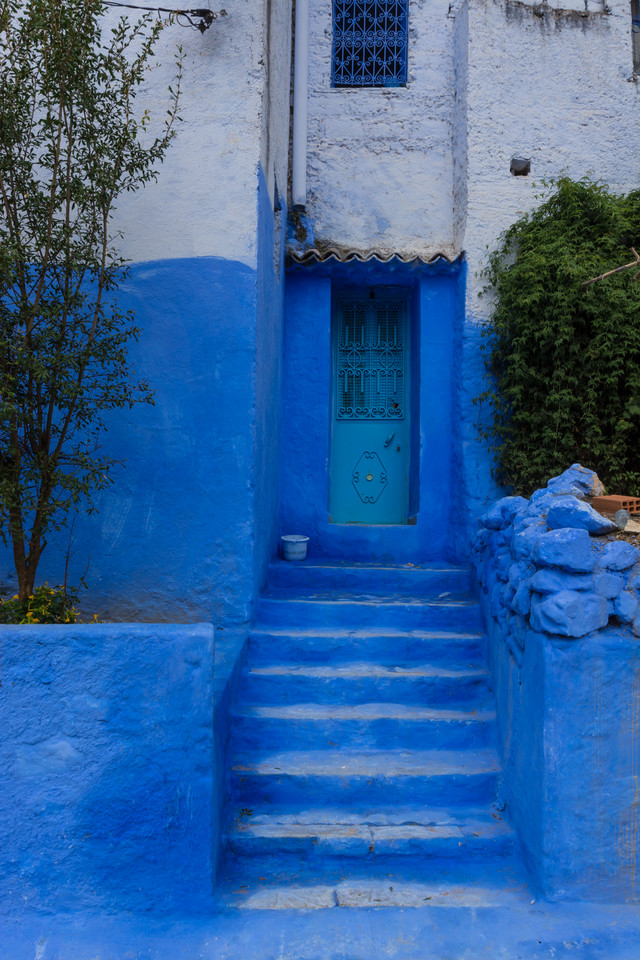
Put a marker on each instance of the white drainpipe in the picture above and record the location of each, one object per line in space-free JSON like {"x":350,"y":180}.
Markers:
{"x":300,"y":96}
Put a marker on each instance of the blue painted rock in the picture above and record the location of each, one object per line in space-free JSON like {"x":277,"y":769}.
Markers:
{"x":619,"y":555}
{"x":566,"y":548}
{"x":569,"y":613}
{"x":569,"y":511}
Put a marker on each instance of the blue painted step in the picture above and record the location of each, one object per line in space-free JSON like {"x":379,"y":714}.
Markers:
{"x":426,"y":579}
{"x":363,"y":682}
{"x":416,"y":614}
{"x":315,"y":645}
{"x":308,"y":726}
{"x":270,"y":882}
{"x":371,"y":834}
{"x":362,"y":745}
{"x":434,"y":777}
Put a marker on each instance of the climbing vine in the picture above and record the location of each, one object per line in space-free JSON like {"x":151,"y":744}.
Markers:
{"x":563,"y":357}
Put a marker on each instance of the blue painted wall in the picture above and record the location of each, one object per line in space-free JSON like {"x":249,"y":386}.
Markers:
{"x":188,"y":527}
{"x":306,"y":412}
{"x":562,"y":609}
{"x":172,"y":538}
{"x":109,"y":768}
{"x":473,"y":461}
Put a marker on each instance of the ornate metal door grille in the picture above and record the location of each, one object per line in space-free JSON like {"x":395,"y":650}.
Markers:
{"x":370,"y":368}
{"x":369,"y":43}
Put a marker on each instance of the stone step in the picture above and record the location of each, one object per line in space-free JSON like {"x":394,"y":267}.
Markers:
{"x":434,"y":777}
{"x":419,"y":579}
{"x":273,"y":883}
{"x":364,"y":682}
{"x":359,"y":726}
{"x":380,"y":644}
{"x":366,"y":894}
{"x":373,"y":679}
{"x":369,"y":611}
{"x":396,"y":832}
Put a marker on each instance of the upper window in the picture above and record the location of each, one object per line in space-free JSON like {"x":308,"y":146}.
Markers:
{"x":369,"y":43}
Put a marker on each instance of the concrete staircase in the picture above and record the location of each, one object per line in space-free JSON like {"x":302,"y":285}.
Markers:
{"x":363,"y":767}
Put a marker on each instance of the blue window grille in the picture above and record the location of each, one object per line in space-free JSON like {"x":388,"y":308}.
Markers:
{"x":371,"y":358}
{"x":369,"y":43}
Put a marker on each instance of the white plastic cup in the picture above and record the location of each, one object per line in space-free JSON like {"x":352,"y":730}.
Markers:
{"x":294,"y":546}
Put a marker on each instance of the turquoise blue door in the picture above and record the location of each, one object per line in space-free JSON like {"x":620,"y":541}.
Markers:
{"x":369,"y":465}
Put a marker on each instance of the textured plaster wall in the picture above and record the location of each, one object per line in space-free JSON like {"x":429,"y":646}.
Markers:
{"x":380,"y":162}
{"x":460,"y":11}
{"x":173,"y":536}
{"x":552,"y":85}
{"x":109,"y":767}
{"x":188,"y":526}
{"x":203,"y":203}
{"x":561,"y":607}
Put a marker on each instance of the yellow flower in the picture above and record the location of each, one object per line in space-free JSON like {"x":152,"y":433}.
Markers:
{"x":16,"y":597}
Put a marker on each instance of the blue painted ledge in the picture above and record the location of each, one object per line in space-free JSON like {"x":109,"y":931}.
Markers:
{"x":561,"y":603}
{"x":113,"y":740}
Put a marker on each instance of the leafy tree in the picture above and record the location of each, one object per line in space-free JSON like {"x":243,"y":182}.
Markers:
{"x":71,"y":141}
{"x":564,"y":358}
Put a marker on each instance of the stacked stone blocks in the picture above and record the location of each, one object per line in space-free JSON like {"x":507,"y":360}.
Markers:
{"x":550,"y":562}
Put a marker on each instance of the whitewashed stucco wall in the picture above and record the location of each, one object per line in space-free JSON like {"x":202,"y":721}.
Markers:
{"x":380,"y":161}
{"x":204,"y":201}
{"x":552,"y":85}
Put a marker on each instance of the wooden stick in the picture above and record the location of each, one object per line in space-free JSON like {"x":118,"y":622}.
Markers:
{"x":610,"y":273}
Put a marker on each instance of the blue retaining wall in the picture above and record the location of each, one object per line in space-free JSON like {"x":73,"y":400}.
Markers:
{"x":306,"y":395}
{"x":562,"y":613}
{"x":110,"y":768}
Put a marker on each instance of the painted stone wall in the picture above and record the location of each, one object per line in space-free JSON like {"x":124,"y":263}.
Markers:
{"x":561,"y":599}
{"x":109,"y":768}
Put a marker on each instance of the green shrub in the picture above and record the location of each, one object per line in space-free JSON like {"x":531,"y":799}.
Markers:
{"x":45,"y":605}
{"x":564,"y":359}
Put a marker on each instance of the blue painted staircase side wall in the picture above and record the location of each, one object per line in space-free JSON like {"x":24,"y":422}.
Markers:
{"x":110,"y":799}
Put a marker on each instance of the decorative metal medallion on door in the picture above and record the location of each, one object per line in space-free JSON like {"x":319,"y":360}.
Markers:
{"x":370,"y":422}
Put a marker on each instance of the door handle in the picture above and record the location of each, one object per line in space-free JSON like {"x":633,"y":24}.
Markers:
{"x":389,"y":439}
